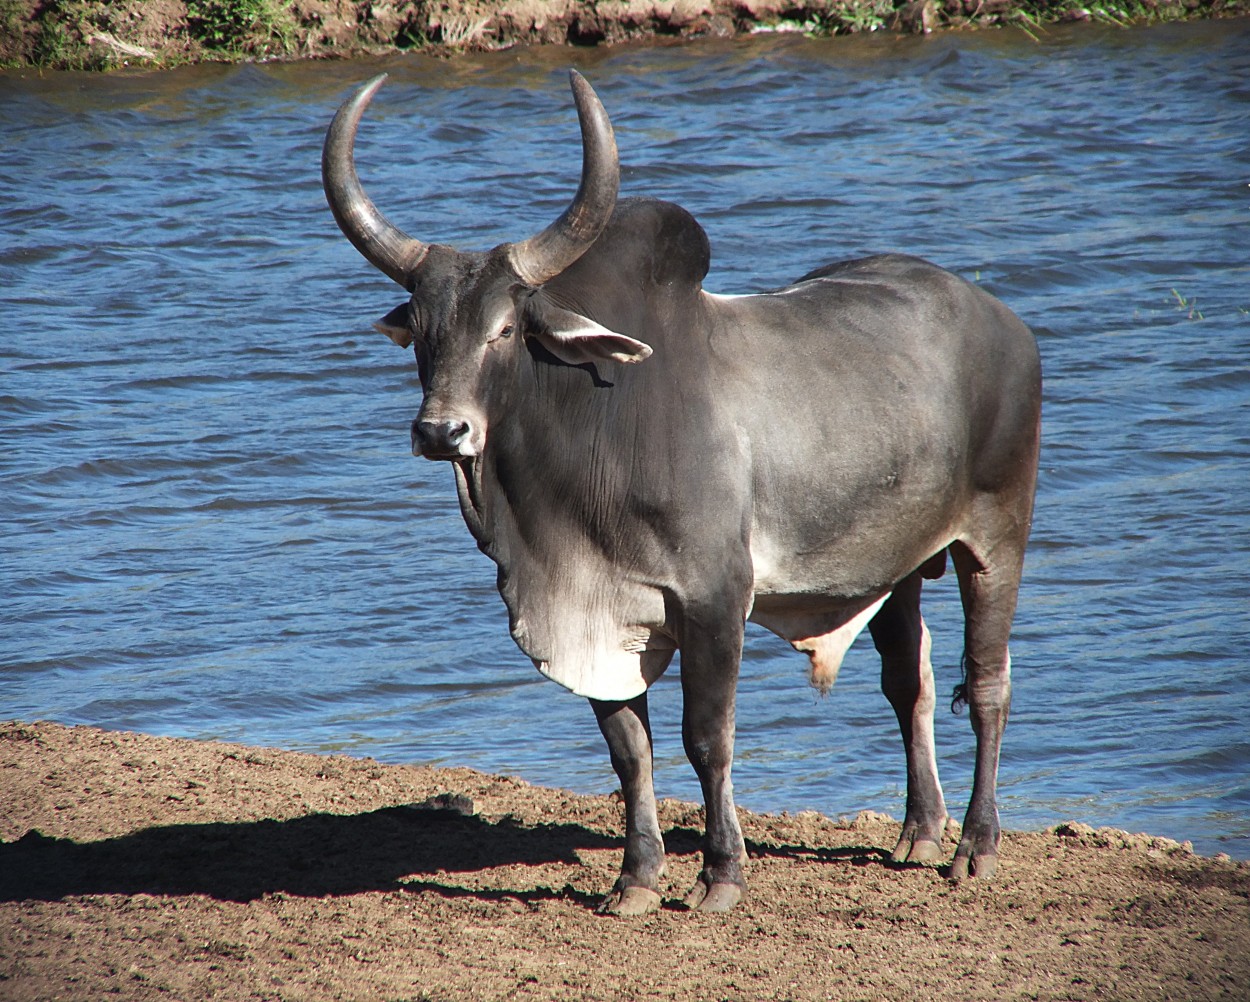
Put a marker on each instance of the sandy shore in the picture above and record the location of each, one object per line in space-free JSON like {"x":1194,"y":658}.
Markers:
{"x":141,"y":867}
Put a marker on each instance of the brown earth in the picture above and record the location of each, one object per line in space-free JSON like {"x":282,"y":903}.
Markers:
{"x":145,"y":868}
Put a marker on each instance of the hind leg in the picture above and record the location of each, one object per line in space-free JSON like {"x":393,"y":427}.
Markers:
{"x":989,"y":583}
{"x":902,"y":640}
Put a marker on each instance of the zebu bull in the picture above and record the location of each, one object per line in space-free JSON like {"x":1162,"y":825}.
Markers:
{"x":651,"y":465}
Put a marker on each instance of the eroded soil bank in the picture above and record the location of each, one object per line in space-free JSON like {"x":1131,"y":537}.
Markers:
{"x":143,"y":868}
{"x":104,"y":34}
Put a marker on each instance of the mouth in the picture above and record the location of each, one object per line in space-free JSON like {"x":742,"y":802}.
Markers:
{"x":441,"y":457}
{"x":444,"y":452}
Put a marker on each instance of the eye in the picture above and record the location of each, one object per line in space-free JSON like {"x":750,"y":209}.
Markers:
{"x":506,"y":330}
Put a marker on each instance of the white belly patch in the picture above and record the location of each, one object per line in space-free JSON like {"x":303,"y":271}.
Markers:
{"x":828,"y":650}
{"x":824,"y":635}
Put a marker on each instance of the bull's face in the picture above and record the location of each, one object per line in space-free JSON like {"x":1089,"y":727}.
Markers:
{"x":469,"y":314}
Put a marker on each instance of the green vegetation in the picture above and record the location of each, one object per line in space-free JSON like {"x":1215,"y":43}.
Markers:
{"x":843,"y":17}
{"x":242,"y":28}
{"x":106,"y":34}
{"x":51,"y":39}
{"x":65,"y":34}
{"x":846,"y":18}
{"x":1121,"y":13}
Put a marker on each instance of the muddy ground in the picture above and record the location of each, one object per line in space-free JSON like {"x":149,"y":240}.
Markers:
{"x":138,"y":867}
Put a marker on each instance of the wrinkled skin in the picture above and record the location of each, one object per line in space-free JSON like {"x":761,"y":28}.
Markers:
{"x":650,"y":466}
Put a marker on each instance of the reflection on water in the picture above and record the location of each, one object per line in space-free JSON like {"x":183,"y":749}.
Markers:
{"x":213,"y":528}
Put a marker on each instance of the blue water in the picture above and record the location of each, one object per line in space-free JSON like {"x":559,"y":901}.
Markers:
{"x":211,"y":526}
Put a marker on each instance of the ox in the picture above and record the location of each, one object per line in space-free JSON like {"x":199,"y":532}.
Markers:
{"x":650,"y":466}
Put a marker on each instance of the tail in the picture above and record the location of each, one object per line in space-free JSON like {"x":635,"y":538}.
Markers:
{"x":959,"y":695}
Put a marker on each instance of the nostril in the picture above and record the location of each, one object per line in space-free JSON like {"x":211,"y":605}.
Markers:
{"x":455,"y":431}
{"x":439,"y":438}
{"x":443,"y":432}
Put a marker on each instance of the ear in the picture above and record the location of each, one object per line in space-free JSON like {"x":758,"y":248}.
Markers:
{"x":395,"y":326}
{"x":577,"y":340}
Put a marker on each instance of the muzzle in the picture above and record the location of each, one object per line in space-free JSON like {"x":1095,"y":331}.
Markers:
{"x":445,"y":438}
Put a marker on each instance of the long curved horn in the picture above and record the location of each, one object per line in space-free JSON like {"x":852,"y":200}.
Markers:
{"x":540,"y":258}
{"x":384,"y":245}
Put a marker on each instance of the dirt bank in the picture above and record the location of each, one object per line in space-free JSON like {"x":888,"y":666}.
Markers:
{"x":103,"y":34}
{"x":143,"y":868}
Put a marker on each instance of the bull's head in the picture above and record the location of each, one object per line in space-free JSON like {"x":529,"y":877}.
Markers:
{"x":469,"y":312}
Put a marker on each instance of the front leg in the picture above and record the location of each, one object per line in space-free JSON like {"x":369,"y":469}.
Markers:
{"x":709,"y":680}
{"x":627,"y":728}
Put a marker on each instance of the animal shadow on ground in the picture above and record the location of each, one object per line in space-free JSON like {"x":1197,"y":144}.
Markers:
{"x":328,"y":854}
{"x":855,"y":855}
{"x":312,"y":856}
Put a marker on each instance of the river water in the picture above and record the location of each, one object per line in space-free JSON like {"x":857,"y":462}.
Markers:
{"x":212,"y":526}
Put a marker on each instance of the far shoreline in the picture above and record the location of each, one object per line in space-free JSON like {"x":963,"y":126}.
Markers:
{"x":99,"y":36}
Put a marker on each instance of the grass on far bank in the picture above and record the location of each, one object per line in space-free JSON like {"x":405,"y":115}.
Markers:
{"x":108,"y":34}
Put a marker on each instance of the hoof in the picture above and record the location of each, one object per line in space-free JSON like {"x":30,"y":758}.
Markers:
{"x":630,"y":901}
{"x":922,"y":850}
{"x":717,"y":898}
{"x":967,"y":864}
